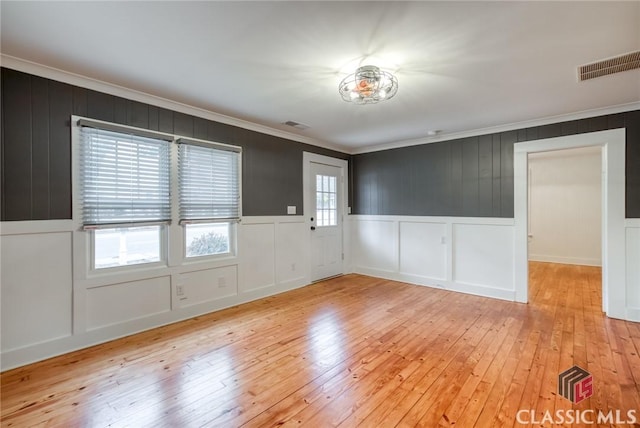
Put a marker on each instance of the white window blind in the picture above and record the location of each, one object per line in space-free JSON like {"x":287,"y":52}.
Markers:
{"x":124,"y":179}
{"x":209,"y":181}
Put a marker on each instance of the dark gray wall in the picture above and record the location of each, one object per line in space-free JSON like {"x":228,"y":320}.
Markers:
{"x":36,"y":147}
{"x":466,"y":177}
{"x":471,"y":177}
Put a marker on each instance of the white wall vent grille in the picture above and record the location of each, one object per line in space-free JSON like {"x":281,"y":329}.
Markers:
{"x":605,"y":67}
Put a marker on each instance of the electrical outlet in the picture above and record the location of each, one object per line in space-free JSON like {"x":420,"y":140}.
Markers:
{"x":180,"y":290}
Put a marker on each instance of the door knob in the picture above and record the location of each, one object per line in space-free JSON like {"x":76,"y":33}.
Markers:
{"x":313,"y":228}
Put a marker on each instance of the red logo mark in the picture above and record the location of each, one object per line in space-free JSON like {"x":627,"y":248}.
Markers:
{"x":575,"y":384}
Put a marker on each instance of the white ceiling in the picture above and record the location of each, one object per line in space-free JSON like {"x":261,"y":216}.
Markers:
{"x":461,"y":66}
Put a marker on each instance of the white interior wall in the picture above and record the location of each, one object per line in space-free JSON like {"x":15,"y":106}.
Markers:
{"x":46,"y":311}
{"x":471,"y":255}
{"x":565,"y":206}
{"x":632,"y":241}
{"x":36,"y":288}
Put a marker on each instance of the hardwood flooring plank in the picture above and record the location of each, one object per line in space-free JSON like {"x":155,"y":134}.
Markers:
{"x":312,"y":411}
{"x":310,"y":393}
{"x":451,"y":346}
{"x":496,"y":381}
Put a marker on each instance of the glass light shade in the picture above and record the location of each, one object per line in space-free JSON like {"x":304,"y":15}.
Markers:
{"x":368,"y":85}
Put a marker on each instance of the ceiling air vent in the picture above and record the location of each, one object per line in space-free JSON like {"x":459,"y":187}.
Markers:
{"x":295,"y":125}
{"x":617,"y":64}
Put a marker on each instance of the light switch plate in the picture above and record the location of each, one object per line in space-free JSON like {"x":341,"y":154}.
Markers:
{"x":291,"y":209}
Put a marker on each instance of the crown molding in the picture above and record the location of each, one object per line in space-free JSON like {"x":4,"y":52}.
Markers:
{"x":621,"y":108}
{"x":132,"y":94}
{"x":40,"y":70}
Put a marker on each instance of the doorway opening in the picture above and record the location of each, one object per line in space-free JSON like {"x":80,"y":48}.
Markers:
{"x":564,"y":228}
{"x":612,"y":146}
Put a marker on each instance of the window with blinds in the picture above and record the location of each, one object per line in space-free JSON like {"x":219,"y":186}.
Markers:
{"x":209,"y":183}
{"x":125,"y":198}
{"x":136,"y":186}
{"x":209,"y":198}
{"x":125,"y":179}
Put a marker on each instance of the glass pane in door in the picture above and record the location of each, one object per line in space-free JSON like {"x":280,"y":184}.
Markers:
{"x":326,"y":201}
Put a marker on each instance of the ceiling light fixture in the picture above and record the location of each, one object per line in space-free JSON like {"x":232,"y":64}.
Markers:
{"x":368,"y":85}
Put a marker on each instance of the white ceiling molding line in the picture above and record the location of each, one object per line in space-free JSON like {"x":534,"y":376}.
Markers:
{"x":132,"y":94}
{"x":63,"y":76}
{"x":500,"y":128}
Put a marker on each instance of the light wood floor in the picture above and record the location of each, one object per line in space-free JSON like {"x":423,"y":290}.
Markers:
{"x":350,"y":351}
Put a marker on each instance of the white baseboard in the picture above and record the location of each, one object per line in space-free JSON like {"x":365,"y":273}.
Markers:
{"x":475,"y":289}
{"x":633,"y":314}
{"x":565,"y":260}
{"x":483,"y":291}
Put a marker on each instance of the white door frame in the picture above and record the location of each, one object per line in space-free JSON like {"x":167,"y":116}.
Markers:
{"x":612,"y":143}
{"x":307,"y":159}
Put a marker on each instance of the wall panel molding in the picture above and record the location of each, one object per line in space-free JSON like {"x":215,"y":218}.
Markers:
{"x":461,"y":258}
{"x":47,"y":317}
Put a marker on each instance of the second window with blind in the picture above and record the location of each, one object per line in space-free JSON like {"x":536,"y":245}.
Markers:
{"x":209,"y":197}
{"x":126,"y":203}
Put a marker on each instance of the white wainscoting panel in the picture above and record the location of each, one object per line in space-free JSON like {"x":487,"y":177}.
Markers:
{"x":49,"y":309}
{"x":36,"y":288}
{"x":375,"y":245}
{"x":423,"y":249}
{"x":258,"y":255}
{"x":118,"y":303}
{"x":633,"y":270}
{"x":471,"y":255}
{"x":483,"y":259}
{"x":292,"y":249}
{"x":206,"y":285}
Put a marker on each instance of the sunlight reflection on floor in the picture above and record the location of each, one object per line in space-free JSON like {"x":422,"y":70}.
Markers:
{"x":327,"y":340}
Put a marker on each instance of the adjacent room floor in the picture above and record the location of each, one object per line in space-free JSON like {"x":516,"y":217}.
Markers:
{"x":350,"y":351}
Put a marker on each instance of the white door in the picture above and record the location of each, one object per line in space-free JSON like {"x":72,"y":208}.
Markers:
{"x":325,"y":189}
